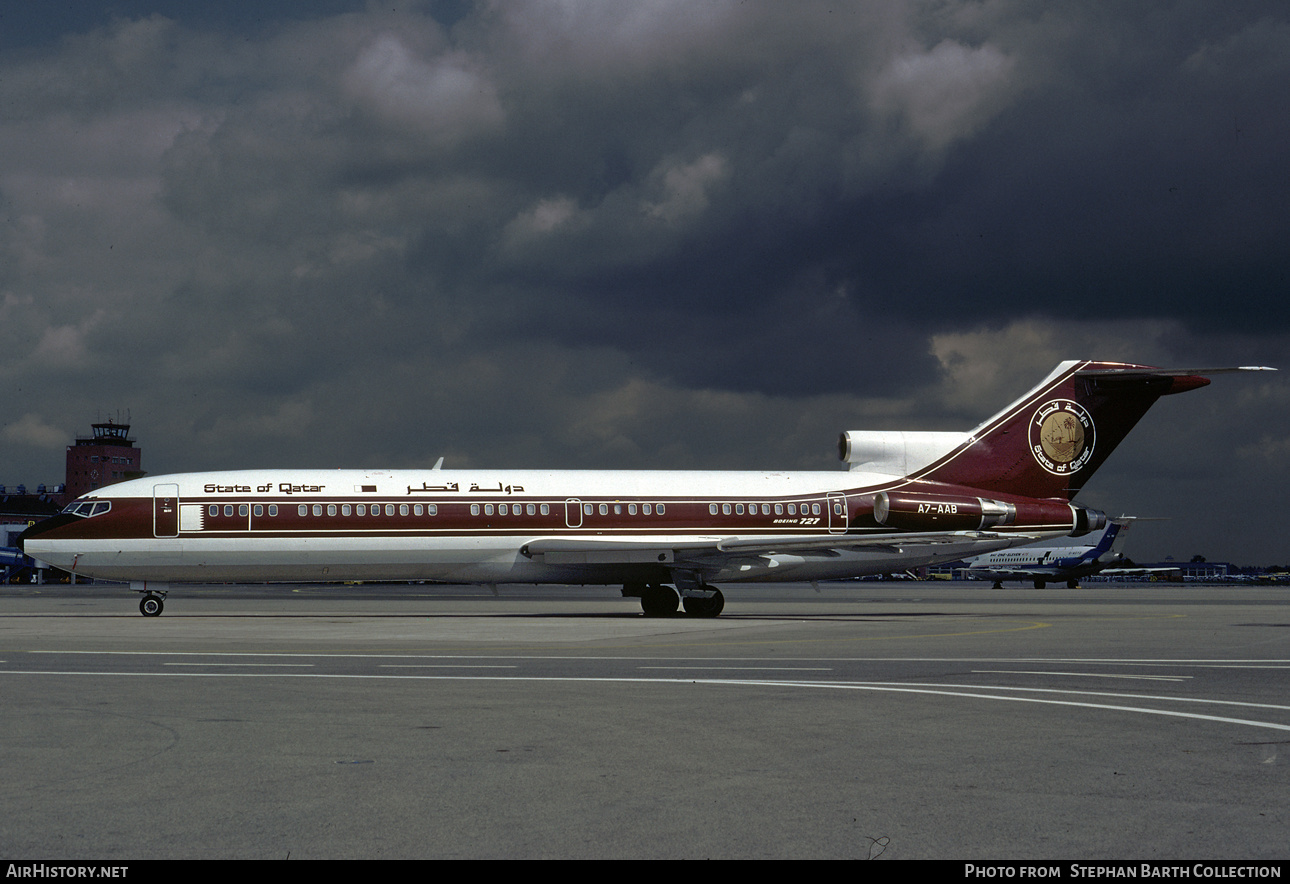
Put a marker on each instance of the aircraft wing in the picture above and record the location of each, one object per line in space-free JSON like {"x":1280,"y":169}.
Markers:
{"x":891,"y":541}
{"x":664,"y":550}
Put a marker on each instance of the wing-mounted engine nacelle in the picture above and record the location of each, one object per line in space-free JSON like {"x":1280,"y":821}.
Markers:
{"x":911,"y":511}
{"x":895,"y":452}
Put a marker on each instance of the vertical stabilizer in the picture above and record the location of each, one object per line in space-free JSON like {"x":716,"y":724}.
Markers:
{"x":1050,"y":441}
{"x":1111,"y":540}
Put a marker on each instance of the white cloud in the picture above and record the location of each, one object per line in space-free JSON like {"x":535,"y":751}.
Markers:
{"x":686,"y":188}
{"x":32,"y":430}
{"x":545,"y":217}
{"x":984,"y":368}
{"x":575,"y":35}
{"x":62,"y":346}
{"x":444,"y":98}
{"x":944,"y":93}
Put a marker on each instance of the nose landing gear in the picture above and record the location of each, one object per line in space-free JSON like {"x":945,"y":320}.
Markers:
{"x":153,"y":601}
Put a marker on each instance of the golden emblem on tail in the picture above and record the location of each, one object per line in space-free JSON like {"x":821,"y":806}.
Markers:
{"x":1062,"y":436}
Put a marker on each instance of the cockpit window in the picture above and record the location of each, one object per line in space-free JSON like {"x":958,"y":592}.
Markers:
{"x":88,"y":508}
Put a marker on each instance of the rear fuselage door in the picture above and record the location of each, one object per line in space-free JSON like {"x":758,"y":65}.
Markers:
{"x":837,"y":504}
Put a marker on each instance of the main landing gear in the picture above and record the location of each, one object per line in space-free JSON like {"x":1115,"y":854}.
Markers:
{"x":661,"y":600}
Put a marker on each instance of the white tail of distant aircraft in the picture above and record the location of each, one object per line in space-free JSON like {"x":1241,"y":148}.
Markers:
{"x":909,"y":499}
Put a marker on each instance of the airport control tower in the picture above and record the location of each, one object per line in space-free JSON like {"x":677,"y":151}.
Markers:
{"x":106,"y":457}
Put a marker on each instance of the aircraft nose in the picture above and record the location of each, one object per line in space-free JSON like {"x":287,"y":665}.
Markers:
{"x":40,"y":528}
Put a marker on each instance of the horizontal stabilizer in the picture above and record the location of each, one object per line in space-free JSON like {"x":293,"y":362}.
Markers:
{"x":1144,"y":372}
{"x":1184,"y":379}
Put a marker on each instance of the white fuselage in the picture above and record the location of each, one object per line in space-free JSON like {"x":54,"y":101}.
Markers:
{"x":487,"y":526}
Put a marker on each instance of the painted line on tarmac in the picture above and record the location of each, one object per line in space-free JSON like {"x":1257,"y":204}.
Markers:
{"x":210,"y":663}
{"x":446,"y":666}
{"x":1083,"y":674}
{"x":960,"y":691}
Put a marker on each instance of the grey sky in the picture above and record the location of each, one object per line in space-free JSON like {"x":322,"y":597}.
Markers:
{"x":657,"y":234}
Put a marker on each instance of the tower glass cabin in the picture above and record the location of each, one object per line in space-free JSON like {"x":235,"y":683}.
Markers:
{"x":104,"y":458}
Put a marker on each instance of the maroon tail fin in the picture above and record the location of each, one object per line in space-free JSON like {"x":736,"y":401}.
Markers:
{"x":1050,"y":441}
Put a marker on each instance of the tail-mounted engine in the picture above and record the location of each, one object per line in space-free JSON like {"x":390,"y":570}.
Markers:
{"x":911,"y":511}
{"x":895,"y":452}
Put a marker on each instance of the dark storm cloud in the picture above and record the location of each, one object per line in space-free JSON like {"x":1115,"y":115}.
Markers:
{"x":667,"y":234}
{"x":1148,"y":185}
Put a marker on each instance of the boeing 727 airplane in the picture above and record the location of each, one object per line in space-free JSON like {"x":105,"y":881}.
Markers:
{"x":908,"y":499}
{"x":1053,"y":564}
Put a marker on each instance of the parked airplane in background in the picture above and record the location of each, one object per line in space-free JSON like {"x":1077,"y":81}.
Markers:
{"x":1053,"y":564}
{"x":909,"y":499}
